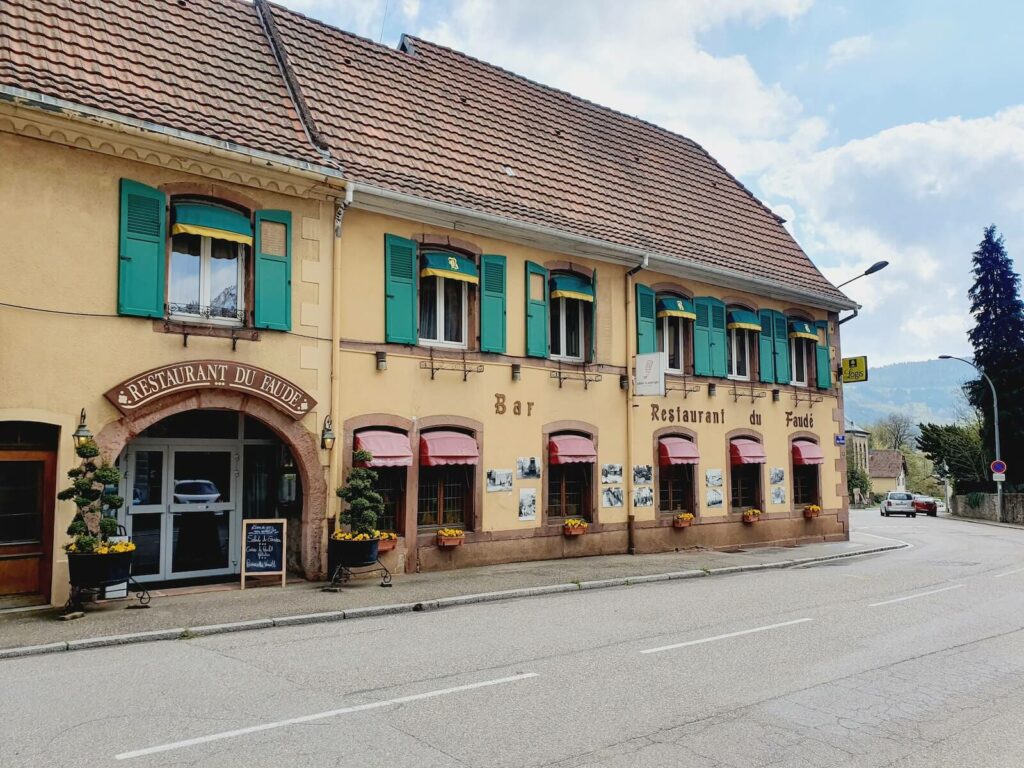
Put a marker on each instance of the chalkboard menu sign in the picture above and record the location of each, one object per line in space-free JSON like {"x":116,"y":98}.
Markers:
{"x":263,"y":548}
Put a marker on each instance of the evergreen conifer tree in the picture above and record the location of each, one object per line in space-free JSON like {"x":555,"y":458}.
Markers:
{"x":998,"y":340}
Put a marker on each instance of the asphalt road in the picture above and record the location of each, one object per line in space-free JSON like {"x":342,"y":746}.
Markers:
{"x":911,"y":658}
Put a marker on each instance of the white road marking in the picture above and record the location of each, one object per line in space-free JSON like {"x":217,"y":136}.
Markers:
{"x":725,"y":637}
{"x":318,"y":716}
{"x":886,"y":538}
{"x":912,"y":597}
{"x":1008,"y":573}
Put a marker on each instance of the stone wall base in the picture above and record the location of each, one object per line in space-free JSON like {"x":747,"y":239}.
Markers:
{"x":1013,"y":507}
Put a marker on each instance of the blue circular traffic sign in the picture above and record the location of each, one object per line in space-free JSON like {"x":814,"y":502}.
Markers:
{"x":998,"y":466}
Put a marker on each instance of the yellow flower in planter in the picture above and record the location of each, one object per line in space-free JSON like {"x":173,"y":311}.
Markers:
{"x":814,"y":509}
{"x":575,"y":522}
{"x":451,"y":533}
{"x":684,"y":517}
{"x":752,"y":513}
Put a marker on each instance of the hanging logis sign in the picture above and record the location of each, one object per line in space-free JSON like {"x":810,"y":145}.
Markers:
{"x":130,"y":395}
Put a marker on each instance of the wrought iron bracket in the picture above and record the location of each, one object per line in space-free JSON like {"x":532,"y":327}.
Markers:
{"x":686,"y":388}
{"x":439,"y":365}
{"x":753,"y":393}
{"x":573,"y":374}
{"x":810,"y":399}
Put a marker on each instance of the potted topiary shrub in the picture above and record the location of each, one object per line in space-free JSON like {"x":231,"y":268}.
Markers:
{"x":357,"y":546}
{"x":94,"y":561}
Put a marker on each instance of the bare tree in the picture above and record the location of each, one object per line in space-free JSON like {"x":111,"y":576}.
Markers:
{"x":895,"y":431}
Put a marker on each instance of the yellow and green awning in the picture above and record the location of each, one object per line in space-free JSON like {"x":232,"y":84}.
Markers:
{"x":742,"y":319}
{"x":800,"y":329}
{"x":674,"y":306}
{"x":211,"y":221}
{"x":572,"y":287}
{"x":449,"y":265}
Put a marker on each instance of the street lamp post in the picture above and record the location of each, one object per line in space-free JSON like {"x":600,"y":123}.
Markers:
{"x":995,"y":418}
{"x":876,"y":267}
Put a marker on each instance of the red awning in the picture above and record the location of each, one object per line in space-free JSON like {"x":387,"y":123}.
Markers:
{"x":745,"y":451}
{"x":677,"y":450}
{"x":389,"y":449}
{"x":806,"y":452}
{"x":571,"y":449}
{"x":443,"y":447}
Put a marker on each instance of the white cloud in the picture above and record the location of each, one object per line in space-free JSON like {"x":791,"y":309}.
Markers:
{"x":918,"y":196}
{"x":645,"y":59}
{"x":848,"y":49}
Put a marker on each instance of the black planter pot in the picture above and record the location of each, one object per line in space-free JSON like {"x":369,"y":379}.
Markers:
{"x":94,"y":571}
{"x":350,"y":554}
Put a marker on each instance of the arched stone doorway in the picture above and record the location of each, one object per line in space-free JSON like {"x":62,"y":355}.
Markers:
{"x":304,"y":447}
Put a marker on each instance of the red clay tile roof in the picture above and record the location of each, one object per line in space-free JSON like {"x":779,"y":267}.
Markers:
{"x":201,"y":66}
{"x":434,"y":123}
{"x":885,"y":463}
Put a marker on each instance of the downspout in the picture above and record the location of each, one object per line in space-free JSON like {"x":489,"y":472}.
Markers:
{"x":630,"y":405}
{"x":336,"y":458}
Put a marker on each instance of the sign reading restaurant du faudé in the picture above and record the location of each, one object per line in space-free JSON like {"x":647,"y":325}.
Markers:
{"x":140,"y":390}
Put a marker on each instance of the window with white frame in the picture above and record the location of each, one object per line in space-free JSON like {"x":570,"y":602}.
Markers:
{"x":443,"y":311}
{"x":207,"y":279}
{"x":739,"y":354}
{"x":567,"y":329}
{"x":800,"y":355}
{"x":671,"y":342}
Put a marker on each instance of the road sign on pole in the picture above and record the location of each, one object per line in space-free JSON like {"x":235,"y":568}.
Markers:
{"x":998,"y":477}
{"x":998,"y":467}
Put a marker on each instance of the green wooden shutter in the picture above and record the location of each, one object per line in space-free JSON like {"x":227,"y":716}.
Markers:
{"x":592,"y":352}
{"x":702,"y":338}
{"x":783,"y":368}
{"x":273,"y":273}
{"x":719,"y":338}
{"x":823,"y":361}
{"x":766,"y":345}
{"x":400,"y":290}
{"x":536,"y":313}
{"x":492,"y":303}
{"x":142,"y":248}
{"x":646,"y":321}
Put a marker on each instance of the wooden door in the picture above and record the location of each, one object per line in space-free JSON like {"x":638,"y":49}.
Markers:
{"x":27,"y":497}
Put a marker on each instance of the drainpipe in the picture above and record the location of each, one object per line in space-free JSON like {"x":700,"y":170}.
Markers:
{"x":630,"y":405}
{"x":335,"y":459}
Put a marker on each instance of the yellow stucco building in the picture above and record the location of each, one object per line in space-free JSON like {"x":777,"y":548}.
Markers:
{"x":326,"y":240}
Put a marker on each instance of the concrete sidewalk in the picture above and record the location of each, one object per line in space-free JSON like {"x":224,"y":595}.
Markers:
{"x":221,"y":608}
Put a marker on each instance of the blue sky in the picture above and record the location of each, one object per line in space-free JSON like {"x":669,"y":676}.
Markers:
{"x":880,"y":130}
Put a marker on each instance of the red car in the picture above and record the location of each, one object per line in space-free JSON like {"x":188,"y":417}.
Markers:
{"x":926,"y":505}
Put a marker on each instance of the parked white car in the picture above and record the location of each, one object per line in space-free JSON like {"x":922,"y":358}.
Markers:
{"x":195,"y":492}
{"x":898,"y":503}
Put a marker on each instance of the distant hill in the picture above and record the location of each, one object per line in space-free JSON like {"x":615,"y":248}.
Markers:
{"x":925,"y":391}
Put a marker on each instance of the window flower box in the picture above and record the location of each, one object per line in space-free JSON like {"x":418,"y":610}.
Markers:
{"x":388,"y":541}
{"x":450,"y":537}
{"x":682,"y":520}
{"x":811,"y":511}
{"x":751,"y":516}
{"x":574,"y":526}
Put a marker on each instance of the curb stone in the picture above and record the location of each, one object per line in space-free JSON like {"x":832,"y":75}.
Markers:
{"x":425,"y":605}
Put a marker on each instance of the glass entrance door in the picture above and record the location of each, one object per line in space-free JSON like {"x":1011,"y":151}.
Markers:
{"x":182,"y":514}
{"x":202,"y":511}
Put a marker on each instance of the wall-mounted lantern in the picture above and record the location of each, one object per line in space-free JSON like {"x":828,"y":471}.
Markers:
{"x":382,"y":361}
{"x":327,"y":436}
{"x":517,"y":372}
{"x":82,"y":435}
{"x":712,"y":388}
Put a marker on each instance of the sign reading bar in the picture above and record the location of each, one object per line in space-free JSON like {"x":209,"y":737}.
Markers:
{"x":263,"y":550}
{"x":855,"y":369}
{"x":143,"y":389}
